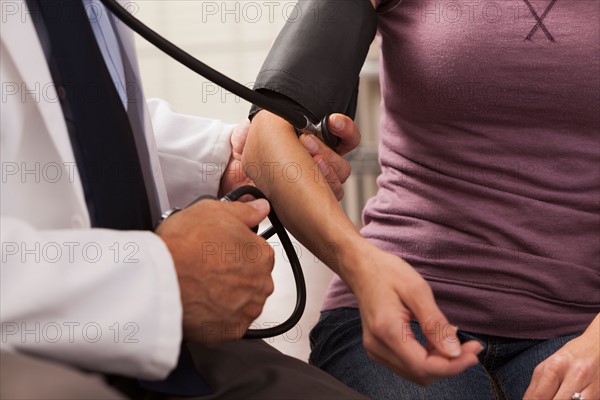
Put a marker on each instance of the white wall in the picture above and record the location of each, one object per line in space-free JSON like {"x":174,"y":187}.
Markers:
{"x":231,"y":36}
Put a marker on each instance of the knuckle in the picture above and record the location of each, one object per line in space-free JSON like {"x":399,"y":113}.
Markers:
{"x":269,"y":286}
{"x":582,"y":369}
{"x":433,"y":320}
{"x":264,"y":251}
{"x":269,"y":257}
{"x":252,"y":312}
{"x":555,"y":364}
{"x":379,"y":327}
{"x":418,"y":288}
{"x":424,"y":288}
{"x":255,"y":286}
{"x":421,"y":295}
{"x":207,"y":205}
{"x":261,"y":297}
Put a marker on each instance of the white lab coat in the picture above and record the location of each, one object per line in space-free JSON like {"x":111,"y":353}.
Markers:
{"x":97,"y":299}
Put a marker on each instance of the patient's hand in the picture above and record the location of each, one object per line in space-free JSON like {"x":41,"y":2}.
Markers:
{"x":575,"y":367}
{"x":390,"y":294}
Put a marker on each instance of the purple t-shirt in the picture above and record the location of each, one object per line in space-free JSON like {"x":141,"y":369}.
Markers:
{"x":490,"y":156}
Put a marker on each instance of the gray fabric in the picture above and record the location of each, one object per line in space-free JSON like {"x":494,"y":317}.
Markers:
{"x":251,"y":369}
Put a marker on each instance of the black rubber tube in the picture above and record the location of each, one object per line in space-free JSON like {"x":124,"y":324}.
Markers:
{"x":294,"y":118}
{"x":292,"y":258}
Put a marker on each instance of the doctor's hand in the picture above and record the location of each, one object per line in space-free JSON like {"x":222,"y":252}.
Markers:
{"x":574,"y":368}
{"x":223,"y":267}
{"x":334,"y":168}
{"x":390,"y":294}
{"x":234,"y":175}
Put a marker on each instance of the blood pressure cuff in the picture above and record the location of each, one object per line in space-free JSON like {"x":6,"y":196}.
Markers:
{"x":315,"y":61}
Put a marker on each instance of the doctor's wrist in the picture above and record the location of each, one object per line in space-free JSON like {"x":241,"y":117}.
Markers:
{"x":170,"y":212}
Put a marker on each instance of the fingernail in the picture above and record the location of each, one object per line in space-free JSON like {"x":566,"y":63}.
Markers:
{"x":337,"y":123}
{"x":261,"y":205}
{"x":480,"y":348}
{"x":323,"y":167}
{"x":452,"y":346}
{"x":311,"y":145}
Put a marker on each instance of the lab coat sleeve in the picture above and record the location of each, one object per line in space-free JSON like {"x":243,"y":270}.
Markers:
{"x":97,"y":299}
{"x":193,"y":152}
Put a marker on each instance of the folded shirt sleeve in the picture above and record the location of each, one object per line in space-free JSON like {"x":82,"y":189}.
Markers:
{"x":193,"y":152}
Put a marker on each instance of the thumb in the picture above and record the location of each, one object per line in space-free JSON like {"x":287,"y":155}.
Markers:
{"x":251,"y":213}
{"x":440,"y":334}
{"x":344,"y":128}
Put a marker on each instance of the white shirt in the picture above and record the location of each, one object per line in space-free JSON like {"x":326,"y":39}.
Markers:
{"x":97,"y":299}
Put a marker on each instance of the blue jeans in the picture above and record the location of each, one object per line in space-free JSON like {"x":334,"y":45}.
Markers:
{"x":504,"y":372}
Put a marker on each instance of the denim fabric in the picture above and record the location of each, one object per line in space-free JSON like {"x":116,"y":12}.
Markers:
{"x":504,"y":372}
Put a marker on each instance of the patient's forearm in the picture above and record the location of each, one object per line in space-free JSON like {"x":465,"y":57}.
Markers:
{"x":389,"y":292}
{"x":286,"y":173}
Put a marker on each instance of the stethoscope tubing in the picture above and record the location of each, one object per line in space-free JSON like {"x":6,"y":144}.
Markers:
{"x":298,"y":120}
{"x":276,"y":228}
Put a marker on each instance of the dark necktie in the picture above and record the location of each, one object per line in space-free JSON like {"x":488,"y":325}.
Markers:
{"x":107,"y":152}
{"x":103,"y":142}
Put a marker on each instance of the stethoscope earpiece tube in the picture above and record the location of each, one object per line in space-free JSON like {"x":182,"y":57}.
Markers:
{"x":294,"y":118}
{"x":298,"y":120}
